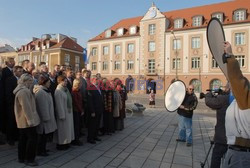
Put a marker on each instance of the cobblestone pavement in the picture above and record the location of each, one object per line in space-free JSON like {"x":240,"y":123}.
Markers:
{"x":148,"y":140}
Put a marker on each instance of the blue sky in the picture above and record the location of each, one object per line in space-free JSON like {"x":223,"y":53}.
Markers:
{"x":23,"y":19}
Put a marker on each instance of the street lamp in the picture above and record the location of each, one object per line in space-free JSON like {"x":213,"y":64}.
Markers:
{"x":176,"y":54}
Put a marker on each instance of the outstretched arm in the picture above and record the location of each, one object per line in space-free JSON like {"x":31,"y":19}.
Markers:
{"x":240,"y":84}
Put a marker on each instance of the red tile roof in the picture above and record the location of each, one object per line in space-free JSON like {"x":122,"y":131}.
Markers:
{"x":68,"y":43}
{"x":227,"y":8}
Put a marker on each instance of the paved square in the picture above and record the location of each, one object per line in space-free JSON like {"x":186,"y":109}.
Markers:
{"x":148,"y":140}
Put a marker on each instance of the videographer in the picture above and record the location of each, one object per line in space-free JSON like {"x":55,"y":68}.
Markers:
{"x":220,"y":102}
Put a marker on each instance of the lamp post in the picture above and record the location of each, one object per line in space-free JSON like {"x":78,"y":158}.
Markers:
{"x":176,"y":54}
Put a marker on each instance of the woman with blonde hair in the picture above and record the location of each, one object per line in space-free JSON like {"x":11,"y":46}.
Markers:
{"x":77,"y":110}
{"x":27,"y":120}
{"x":64,"y":115}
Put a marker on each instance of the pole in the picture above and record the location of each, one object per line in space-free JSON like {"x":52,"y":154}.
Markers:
{"x":176,"y":54}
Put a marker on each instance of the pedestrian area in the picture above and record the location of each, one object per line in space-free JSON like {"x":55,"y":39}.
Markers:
{"x":148,"y":140}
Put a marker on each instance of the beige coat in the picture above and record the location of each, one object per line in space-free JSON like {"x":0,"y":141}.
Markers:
{"x":25,"y":108}
{"x":64,"y":116}
{"x":45,"y":109}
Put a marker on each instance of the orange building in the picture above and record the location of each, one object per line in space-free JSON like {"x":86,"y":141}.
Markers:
{"x":161,"y":46}
{"x":60,"y":50}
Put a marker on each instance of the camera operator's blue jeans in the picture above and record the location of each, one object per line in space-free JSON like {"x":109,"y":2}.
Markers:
{"x":185,"y":129}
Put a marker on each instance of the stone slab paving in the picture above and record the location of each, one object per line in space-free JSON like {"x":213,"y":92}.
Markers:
{"x":148,"y":141}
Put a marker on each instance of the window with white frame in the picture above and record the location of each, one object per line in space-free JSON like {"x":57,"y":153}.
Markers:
{"x":240,"y":15}
{"x":132,"y":30}
{"x":239,"y":38}
{"x":196,"y":42}
{"x":176,"y":44}
{"x":218,"y":16}
{"x":22,"y":58}
{"x":120,"y":31}
{"x":66,"y":59}
{"x":130,"y":64}
{"x":105,"y":65}
{"x":117,"y":49}
{"x":108,"y":33}
{"x":94,"y":51}
{"x":151,"y":46}
{"x":195,"y":63}
{"x":176,"y":63}
{"x":151,"y":29}
{"x":214,"y":63}
{"x":105,"y":50}
{"x":241,"y":60}
{"x":117,"y":65}
{"x":77,"y":63}
{"x":197,"y":21}
{"x":178,"y":23}
{"x":94,"y":66}
{"x":151,"y":66}
{"x":131,"y":48}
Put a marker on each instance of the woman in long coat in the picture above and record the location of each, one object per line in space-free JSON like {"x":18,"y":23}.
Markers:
{"x":27,"y":120}
{"x":45,"y":109}
{"x":108,"y":99}
{"x":64,"y":115}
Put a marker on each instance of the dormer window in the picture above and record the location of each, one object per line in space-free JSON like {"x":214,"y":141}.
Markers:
{"x":178,"y":23}
{"x":120,"y":31}
{"x":219,"y":16}
{"x":240,"y":15}
{"x":108,"y":33}
{"x":197,"y":21}
{"x":132,"y":30}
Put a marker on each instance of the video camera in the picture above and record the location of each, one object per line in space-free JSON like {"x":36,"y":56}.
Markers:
{"x":214,"y":92}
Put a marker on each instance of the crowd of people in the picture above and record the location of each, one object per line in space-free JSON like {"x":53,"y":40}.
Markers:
{"x":38,"y":105}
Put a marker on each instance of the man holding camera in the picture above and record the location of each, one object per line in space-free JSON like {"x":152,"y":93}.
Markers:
{"x":220,"y":103}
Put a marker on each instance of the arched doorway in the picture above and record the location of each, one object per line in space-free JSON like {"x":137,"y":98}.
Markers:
{"x":215,"y":84}
{"x":150,"y":85}
{"x":197,"y":85}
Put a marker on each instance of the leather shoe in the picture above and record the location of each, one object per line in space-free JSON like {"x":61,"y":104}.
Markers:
{"x":98,"y":139}
{"x":76,"y":143}
{"x":91,"y":141}
{"x":180,"y":140}
{"x":43,"y":154}
{"x":34,"y":163}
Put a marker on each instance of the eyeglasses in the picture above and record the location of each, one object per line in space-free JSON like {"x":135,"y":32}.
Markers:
{"x":190,"y":89}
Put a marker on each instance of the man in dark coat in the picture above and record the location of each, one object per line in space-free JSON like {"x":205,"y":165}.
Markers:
{"x":220,"y":103}
{"x":95,"y":110}
{"x":10,"y":85}
{"x":185,"y":112}
{"x":6,"y":73}
{"x":70,"y":79}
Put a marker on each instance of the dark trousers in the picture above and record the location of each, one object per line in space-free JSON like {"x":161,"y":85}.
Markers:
{"x":108,"y":121}
{"x":77,"y":127}
{"x":27,"y":144}
{"x":93,"y":127}
{"x":11,"y":127}
{"x":219,"y":151}
{"x":42,"y":141}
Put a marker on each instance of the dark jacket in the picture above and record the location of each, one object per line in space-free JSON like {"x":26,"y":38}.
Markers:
{"x":190,"y":102}
{"x":220,"y":104}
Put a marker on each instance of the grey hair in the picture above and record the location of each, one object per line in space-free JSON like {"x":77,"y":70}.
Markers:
{"x":24,"y":79}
